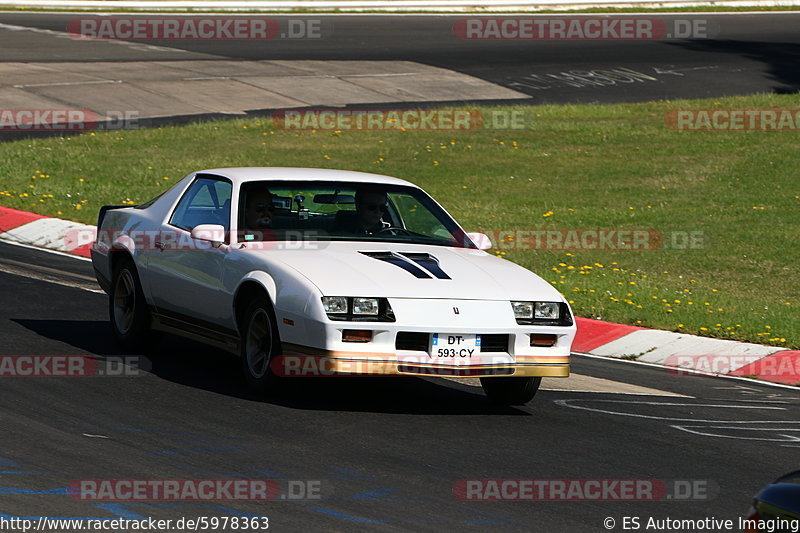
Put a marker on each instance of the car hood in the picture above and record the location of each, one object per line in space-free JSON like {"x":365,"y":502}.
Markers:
{"x":412,"y":271}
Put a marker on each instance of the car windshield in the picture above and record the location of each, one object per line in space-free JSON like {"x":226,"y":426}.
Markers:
{"x":309,"y":210}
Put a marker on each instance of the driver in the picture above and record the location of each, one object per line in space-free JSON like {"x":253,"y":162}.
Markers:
{"x":259,"y":210}
{"x":370,"y":208}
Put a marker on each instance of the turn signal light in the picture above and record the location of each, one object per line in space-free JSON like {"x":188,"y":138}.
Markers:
{"x":356,"y":335}
{"x":540,"y":339}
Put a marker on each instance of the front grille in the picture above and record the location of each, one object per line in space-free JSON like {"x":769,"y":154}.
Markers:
{"x":414,"y":340}
{"x":494,"y":342}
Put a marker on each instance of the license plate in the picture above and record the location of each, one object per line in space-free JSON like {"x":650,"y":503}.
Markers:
{"x":455,"y":348}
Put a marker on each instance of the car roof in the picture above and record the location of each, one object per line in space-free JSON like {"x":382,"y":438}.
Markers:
{"x":244,"y":174}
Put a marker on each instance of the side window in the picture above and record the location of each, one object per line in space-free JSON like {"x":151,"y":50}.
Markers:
{"x":208,"y":201}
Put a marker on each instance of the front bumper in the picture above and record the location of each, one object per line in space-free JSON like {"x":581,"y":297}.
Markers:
{"x":301,"y":361}
{"x":314,"y":345}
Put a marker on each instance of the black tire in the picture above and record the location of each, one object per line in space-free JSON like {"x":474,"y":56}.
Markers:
{"x":511,"y":390}
{"x":260,"y":343}
{"x":127,"y":308}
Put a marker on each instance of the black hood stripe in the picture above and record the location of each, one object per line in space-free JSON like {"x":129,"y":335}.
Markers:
{"x":429,"y":263}
{"x":398,"y":260}
{"x":411,"y":263}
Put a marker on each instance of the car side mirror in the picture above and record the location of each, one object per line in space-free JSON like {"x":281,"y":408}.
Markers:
{"x":482,"y":241}
{"x":213,"y":233}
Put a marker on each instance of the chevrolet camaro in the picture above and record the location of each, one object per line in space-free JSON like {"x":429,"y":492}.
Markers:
{"x":311,"y":272}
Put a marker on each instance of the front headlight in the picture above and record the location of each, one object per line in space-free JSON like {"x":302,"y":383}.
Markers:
{"x":522,"y":309}
{"x":358,"y":309}
{"x":365,"y":306}
{"x":543,"y":313}
{"x":547,"y":310}
{"x":334,"y":304}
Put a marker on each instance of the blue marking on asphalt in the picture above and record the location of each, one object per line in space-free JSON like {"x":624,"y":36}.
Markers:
{"x":35,"y":518}
{"x":384,"y":495}
{"x":9,"y":462}
{"x":124,"y":511}
{"x":339,"y":514}
{"x":17,"y":490}
{"x":120,"y":511}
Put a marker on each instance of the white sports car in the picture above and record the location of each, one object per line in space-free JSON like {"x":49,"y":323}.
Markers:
{"x":310,"y":272}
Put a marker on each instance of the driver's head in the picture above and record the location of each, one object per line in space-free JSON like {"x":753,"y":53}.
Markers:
{"x":259,"y":209}
{"x":370,"y":206}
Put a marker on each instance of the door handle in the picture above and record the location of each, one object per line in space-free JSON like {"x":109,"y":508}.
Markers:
{"x":160,"y":245}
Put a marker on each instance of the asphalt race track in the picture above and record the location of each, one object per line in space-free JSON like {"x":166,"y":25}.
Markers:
{"x":732,"y":55}
{"x":391,"y":454}
{"x":381,"y":455}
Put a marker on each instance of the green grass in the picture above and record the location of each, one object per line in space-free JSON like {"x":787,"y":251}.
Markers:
{"x":576,"y":167}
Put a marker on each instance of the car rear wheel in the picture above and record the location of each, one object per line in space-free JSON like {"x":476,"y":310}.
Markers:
{"x":510,"y":391}
{"x":127,"y":309}
{"x":260,"y":344}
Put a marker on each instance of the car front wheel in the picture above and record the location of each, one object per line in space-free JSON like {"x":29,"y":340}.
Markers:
{"x":260,"y":344}
{"x":127,"y":309}
{"x":511,"y":390}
